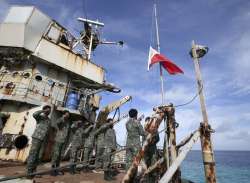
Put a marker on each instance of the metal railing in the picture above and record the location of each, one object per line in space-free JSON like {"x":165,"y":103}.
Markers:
{"x":48,"y":90}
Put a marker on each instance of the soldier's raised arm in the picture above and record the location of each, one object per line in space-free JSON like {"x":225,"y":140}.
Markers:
{"x":103,"y":128}
{"x":44,"y":113}
{"x":59,"y":123}
{"x":87,"y":130}
{"x":37,"y":115}
{"x":4,"y":115}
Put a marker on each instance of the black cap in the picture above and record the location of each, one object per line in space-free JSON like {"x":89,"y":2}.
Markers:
{"x":132,"y":113}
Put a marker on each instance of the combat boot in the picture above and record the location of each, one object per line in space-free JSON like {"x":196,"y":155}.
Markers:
{"x":107,"y":176}
{"x":53,"y":172}
{"x":72,"y":169}
{"x":111,"y":175}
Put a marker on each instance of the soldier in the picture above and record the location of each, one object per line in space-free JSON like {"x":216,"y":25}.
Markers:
{"x":110,"y":147}
{"x":134,"y":131}
{"x":88,"y":148}
{"x":151,"y":155}
{"x":89,"y":142}
{"x":62,"y":126}
{"x":2,"y":115}
{"x":77,"y":141}
{"x":99,"y":137}
{"x":38,"y":137}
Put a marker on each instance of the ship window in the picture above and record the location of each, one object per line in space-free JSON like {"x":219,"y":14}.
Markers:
{"x":54,"y":34}
{"x":14,"y":74}
{"x":38,"y":78}
{"x":26,"y":75}
{"x":64,"y":40}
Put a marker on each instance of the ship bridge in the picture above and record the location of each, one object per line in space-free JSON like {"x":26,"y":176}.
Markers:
{"x":38,"y":66}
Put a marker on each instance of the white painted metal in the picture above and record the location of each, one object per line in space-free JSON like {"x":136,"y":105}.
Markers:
{"x":34,"y":29}
{"x":172,"y":169}
{"x":12,"y":34}
{"x":23,"y":27}
{"x":68,"y":60}
{"x":18,"y":14}
{"x":14,"y":125}
{"x":27,"y":31}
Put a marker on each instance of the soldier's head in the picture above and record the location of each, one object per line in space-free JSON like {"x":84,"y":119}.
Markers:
{"x":147,"y":119}
{"x":109,"y":120}
{"x":94,"y":108}
{"x":133,"y":113}
{"x":66,"y":114}
{"x":46,"y":109}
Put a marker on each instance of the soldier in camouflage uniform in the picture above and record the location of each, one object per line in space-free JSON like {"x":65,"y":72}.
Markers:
{"x":100,"y":145}
{"x":89,"y":141}
{"x":110,"y":147}
{"x":134,"y":131}
{"x":151,"y":154}
{"x":38,"y":137}
{"x":62,"y":125}
{"x":80,"y":134}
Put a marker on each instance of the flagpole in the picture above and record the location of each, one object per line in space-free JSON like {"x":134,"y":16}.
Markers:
{"x":166,"y":153}
{"x":159,"y":50}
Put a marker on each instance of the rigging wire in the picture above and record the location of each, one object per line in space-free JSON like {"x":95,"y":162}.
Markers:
{"x":85,"y":9}
{"x":192,"y":99}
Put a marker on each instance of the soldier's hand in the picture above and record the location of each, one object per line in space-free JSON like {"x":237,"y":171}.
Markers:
{"x":7,"y":115}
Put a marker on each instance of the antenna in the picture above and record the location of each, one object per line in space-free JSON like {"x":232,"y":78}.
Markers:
{"x":91,"y":22}
{"x":90,"y":36}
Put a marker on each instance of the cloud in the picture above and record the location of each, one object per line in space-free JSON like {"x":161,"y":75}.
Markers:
{"x":4,"y":9}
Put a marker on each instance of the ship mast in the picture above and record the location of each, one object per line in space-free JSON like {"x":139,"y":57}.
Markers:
{"x":159,"y":49}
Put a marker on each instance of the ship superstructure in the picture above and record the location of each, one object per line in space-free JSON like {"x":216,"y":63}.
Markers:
{"x":38,"y":66}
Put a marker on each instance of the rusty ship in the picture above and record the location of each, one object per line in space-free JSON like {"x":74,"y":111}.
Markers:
{"x":42,"y":63}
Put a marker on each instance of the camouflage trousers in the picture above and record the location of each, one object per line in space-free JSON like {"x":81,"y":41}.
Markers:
{"x":33,"y":158}
{"x":73,"y":153}
{"x":87,"y":154}
{"x":150,"y":158}
{"x":107,"y":159}
{"x":99,"y":157}
{"x":131,"y":152}
{"x":56,"y":155}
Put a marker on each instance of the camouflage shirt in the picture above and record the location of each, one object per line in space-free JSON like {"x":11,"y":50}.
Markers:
{"x":80,"y":134}
{"x":100,"y":135}
{"x":110,"y":139}
{"x":42,"y":125}
{"x":62,"y":128}
{"x":89,"y":141}
{"x":134,"y":131}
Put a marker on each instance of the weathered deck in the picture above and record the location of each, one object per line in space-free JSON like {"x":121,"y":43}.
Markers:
{"x":11,"y":168}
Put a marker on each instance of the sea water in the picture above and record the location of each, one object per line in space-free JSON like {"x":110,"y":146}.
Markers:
{"x":231,"y":167}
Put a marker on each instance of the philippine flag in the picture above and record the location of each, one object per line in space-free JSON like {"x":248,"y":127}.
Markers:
{"x":155,"y":57}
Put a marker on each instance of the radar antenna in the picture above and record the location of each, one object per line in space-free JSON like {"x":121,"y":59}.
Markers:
{"x":90,"y":36}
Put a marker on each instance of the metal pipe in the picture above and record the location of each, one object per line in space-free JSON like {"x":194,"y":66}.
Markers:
{"x":206,"y":144}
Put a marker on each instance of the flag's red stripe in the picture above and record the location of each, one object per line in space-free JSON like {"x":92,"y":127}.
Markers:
{"x":166,"y":63}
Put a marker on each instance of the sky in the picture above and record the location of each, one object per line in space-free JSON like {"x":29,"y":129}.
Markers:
{"x":221,"y":25}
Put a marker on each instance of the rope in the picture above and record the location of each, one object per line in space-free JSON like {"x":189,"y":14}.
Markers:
{"x":192,"y":99}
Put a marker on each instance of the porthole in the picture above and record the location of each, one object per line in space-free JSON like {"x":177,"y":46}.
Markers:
{"x":38,"y":78}
{"x":26,"y":75}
